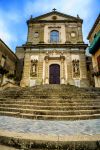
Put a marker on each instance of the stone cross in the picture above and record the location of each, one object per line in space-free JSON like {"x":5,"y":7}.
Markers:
{"x":54,"y":9}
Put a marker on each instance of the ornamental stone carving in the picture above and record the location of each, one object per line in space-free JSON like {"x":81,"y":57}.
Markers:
{"x":33,"y":71}
{"x":76,"y":70}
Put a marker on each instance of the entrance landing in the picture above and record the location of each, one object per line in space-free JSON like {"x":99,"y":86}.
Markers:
{"x":79,"y":127}
{"x":44,"y":135}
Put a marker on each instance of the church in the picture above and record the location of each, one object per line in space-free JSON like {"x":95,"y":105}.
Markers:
{"x":54,"y":52}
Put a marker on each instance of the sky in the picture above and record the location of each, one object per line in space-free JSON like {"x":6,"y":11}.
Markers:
{"x":15,"y":13}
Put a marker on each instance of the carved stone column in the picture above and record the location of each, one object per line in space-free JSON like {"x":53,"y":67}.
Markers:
{"x":26,"y":70}
{"x":69,"y":70}
{"x":83,"y":71}
{"x":42,"y":34}
{"x":80,"y":36}
{"x":62,"y":70}
{"x":46,"y":70}
{"x":30,"y":33}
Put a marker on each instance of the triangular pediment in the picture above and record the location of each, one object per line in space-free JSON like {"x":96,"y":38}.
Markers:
{"x":55,"y":15}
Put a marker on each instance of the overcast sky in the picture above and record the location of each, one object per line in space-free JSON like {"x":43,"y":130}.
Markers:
{"x":15,"y":13}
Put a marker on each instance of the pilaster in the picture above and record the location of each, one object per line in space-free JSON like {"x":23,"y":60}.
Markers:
{"x":42,"y":34}
{"x":46,"y":71}
{"x":62,"y":70}
{"x":26,"y":69}
{"x":83,"y":72}
{"x":69,"y":70}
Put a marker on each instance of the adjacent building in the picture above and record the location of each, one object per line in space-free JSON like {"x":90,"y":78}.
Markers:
{"x":8,"y":63}
{"x":94,"y":49}
{"x":54,"y":52}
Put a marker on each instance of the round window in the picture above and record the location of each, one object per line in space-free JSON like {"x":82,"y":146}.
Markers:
{"x":36,"y":34}
{"x":54,"y":17}
{"x":73,"y":34}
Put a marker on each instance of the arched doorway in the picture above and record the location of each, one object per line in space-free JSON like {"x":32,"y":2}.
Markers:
{"x":54,"y":74}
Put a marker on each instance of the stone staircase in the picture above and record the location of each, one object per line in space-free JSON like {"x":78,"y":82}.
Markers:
{"x":49,"y":102}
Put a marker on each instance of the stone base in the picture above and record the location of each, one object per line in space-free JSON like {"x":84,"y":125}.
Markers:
{"x":97,"y":81}
{"x":24,"y":83}
{"x":31,"y":141}
{"x":84,"y":83}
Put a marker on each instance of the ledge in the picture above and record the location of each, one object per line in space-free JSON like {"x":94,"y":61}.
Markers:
{"x":26,"y":140}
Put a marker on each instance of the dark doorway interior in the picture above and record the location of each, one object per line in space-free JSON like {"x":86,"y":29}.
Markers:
{"x":54,"y":74}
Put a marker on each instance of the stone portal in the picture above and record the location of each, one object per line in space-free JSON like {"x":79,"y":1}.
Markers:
{"x":54,"y":74}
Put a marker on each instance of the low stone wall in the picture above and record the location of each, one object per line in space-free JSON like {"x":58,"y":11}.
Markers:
{"x":35,"y":141}
{"x":8,"y":84}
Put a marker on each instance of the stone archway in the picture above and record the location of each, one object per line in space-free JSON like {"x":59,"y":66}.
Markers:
{"x":54,"y":74}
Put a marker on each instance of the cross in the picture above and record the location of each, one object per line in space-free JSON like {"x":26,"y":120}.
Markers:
{"x":54,"y":9}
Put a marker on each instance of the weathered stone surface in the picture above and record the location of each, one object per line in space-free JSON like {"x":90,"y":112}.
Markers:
{"x":29,"y":141}
{"x":49,"y":102}
{"x":39,"y":43}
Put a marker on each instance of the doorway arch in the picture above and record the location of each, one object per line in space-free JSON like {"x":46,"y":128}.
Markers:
{"x":54,"y":74}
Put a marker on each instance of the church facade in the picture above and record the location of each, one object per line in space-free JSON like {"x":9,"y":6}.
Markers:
{"x":54,"y":52}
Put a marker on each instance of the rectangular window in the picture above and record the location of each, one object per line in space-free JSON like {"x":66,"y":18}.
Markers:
{"x":98,"y":62}
{"x":3,"y":60}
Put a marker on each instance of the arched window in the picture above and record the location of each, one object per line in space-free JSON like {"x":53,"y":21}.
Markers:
{"x":54,"y":36}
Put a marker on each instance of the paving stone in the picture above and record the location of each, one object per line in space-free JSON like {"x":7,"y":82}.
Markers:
{"x":86,"y":127}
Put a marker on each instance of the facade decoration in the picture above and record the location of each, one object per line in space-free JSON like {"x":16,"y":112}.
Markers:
{"x":76,"y":69}
{"x":54,"y":52}
{"x":33,"y":71}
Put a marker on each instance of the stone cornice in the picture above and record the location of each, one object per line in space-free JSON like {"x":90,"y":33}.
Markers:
{"x":67,"y":17}
{"x":84,"y":46}
{"x":80,"y":51}
{"x":53,"y":21}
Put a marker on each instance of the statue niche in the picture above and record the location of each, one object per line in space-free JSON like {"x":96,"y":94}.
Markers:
{"x":33,"y":71}
{"x":76,"y":70}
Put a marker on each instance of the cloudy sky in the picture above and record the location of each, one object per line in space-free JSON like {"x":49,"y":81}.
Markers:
{"x":15,"y":13}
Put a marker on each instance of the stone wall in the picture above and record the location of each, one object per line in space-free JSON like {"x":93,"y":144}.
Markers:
{"x":37,"y":63}
{"x":9,"y":62}
{"x":68,"y":32}
{"x":35,"y":33}
{"x":20,"y":52}
{"x":96,"y":30}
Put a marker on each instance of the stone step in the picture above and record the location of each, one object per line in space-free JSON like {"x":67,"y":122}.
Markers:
{"x":53,"y":98}
{"x":50,"y":117}
{"x":52,"y":107}
{"x":50,"y":112}
{"x":35,"y":141}
{"x":50,"y":97}
{"x":50,"y":92}
{"x":49,"y":101}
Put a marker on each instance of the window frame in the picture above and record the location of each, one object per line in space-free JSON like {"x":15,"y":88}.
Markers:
{"x":54,"y":36}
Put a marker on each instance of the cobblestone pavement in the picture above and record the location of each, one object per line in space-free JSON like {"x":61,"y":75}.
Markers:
{"x":89,"y":127}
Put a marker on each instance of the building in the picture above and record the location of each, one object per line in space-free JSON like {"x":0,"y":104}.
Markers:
{"x":54,"y":52}
{"x":8,"y":63}
{"x":94,"y":39}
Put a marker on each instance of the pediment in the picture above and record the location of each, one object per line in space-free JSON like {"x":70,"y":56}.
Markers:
{"x":55,"y":15}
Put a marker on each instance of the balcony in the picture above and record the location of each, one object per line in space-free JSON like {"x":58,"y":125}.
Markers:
{"x":95,"y":44}
{"x":96,"y":71}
